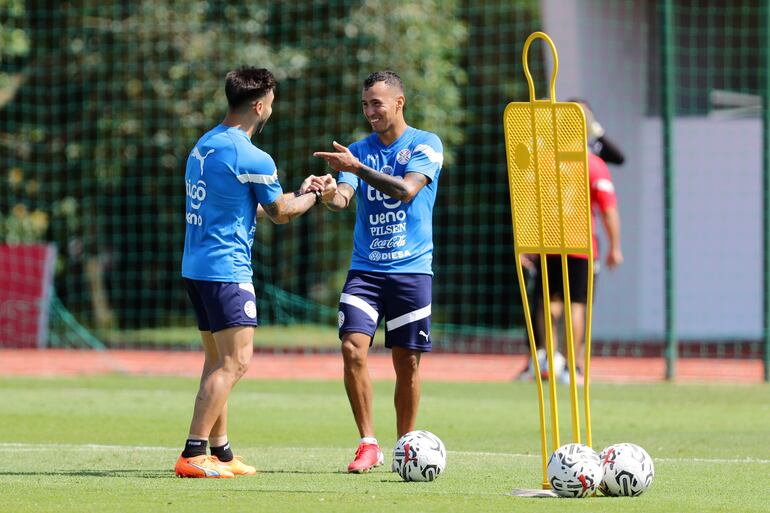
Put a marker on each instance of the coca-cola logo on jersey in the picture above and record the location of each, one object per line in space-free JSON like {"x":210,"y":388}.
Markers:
{"x":393,"y":242}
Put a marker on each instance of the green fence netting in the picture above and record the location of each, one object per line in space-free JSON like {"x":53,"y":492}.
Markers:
{"x":101,"y":101}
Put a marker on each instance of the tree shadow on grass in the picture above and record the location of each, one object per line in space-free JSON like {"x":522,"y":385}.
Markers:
{"x":300,"y":472}
{"x":134,"y":473}
{"x":150,"y":474}
{"x":169,"y":474}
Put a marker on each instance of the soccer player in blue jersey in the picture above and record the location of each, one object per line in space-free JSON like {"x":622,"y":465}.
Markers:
{"x":229,"y":182}
{"x":393,"y":174}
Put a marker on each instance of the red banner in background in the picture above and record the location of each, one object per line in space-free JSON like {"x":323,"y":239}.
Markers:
{"x":26,"y":275}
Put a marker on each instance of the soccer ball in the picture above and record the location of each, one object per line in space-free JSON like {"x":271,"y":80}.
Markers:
{"x":574,"y":470}
{"x":559,"y":363}
{"x":419,"y":456}
{"x":628,"y":470}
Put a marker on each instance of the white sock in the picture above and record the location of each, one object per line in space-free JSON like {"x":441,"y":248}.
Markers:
{"x":369,"y":440}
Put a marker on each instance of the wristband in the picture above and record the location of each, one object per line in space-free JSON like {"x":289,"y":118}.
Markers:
{"x":297,"y":194}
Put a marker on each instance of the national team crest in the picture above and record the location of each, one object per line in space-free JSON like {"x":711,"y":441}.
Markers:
{"x":403,"y":156}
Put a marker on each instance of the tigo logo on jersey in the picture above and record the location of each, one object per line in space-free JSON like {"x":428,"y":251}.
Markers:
{"x":373,"y":194}
{"x":403,"y":156}
{"x":196,"y":192}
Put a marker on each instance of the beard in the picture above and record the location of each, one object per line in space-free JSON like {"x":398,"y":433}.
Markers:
{"x":381,"y":128}
{"x":260,"y":125}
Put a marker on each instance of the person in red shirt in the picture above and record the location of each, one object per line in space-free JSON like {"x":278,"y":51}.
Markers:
{"x":603,"y":204}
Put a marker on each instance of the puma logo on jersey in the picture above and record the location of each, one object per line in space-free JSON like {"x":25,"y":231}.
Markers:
{"x":423,"y":334}
{"x":202,"y":158}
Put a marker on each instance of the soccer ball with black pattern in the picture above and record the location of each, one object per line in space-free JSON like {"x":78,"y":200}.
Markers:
{"x":419,"y":456}
{"x":574,"y":470}
{"x":627,"y":470}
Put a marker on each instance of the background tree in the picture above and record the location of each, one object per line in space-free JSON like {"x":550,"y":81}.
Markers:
{"x":114,"y":94}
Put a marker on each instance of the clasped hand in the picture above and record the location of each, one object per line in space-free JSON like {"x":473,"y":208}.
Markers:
{"x":326,"y":185}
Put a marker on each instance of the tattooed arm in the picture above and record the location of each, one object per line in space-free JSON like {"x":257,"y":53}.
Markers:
{"x":403,"y":189}
{"x":293,"y":204}
{"x":289,"y":206}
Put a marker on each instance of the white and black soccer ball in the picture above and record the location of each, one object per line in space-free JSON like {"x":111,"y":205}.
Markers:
{"x":559,"y":363}
{"x":419,"y":456}
{"x":627,"y":470}
{"x":574,"y":470}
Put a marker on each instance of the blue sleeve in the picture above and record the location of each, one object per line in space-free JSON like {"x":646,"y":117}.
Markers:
{"x":257,"y":169}
{"x":427,"y":157}
{"x":350,"y":178}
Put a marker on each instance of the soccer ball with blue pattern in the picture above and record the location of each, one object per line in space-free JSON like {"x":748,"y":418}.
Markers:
{"x":574,"y":470}
{"x":419,"y":456}
{"x":627,"y":470}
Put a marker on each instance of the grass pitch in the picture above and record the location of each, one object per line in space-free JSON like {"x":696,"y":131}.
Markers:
{"x":109,"y":444}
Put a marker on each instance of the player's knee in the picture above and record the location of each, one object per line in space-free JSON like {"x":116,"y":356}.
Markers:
{"x":352,"y":354}
{"x":236,"y":366}
{"x":406,"y":365}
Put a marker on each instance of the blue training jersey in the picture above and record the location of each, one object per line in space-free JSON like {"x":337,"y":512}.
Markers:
{"x":226,"y":177}
{"x":392,"y":236}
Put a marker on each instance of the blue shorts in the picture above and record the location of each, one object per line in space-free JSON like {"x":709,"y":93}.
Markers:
{"x":403,"y":300}
{"x":220,"y":305}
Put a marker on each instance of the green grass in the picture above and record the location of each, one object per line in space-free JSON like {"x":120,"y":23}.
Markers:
{"x":272,"y":336}
{"x":276,"y":336}
{"x":108,"y":444}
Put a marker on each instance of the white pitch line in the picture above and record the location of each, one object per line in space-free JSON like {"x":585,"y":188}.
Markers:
{"x":758,"y":461}
{"x":31,"y":447}
{"x":668,"y":460}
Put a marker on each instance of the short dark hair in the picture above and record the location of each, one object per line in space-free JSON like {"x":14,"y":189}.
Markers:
{"x":247,"y":84}
{"x":387,"y":76}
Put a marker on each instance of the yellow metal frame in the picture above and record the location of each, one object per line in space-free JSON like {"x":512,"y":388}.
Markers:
{"x":546,"y":149}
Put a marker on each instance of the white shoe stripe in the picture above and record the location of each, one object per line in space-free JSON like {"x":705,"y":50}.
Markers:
{"x":209,"y":472}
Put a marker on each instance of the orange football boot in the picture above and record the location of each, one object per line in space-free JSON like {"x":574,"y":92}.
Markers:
{"x":236,"y":466}
{"x":201,"y":466}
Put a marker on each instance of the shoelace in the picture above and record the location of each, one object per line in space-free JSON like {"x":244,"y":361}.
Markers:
{"x":239,"y":458}
{"x":361,"y":449}
{"x":204,"y":459}
{"x":220,"y":462}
